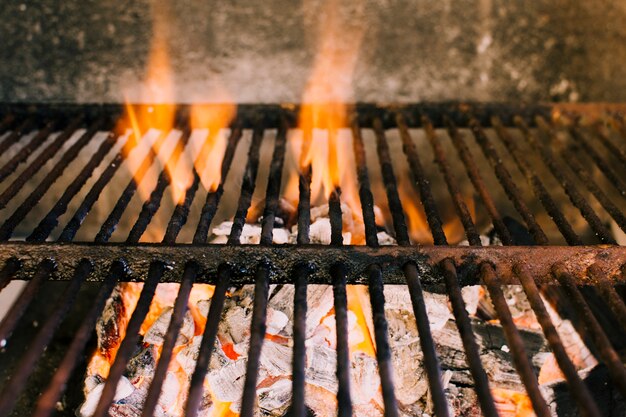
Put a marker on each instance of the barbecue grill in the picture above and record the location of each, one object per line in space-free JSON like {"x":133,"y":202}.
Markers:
{"x":576,"y":147}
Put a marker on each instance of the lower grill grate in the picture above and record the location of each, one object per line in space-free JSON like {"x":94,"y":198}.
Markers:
{"x":583,"y":156}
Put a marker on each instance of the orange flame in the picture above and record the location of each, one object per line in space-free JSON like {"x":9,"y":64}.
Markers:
{"x":324,"y":113}
{"x":214,"y":118}
{"x":417,"y":223}
{"x":205,"y":152}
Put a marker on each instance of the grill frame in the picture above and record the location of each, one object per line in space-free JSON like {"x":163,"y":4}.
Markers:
{"x":439,"y":267}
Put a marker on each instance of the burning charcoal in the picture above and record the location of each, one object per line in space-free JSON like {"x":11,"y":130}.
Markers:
{"x":111,"y":325}
{"x":274,"y":399}
{"x":276,"y":321}
{"x":281,"y":300}
{"x":127,"y":410}
{"x":365,"y":381}
{"x":156,"y":332}
{"x":171,"y":391}
{"x":320,"y":302}
{"x":124,"y":389}
{"x":92,"y":381}
{"x":280,"y":236}
{"x":369,"y":409}
{"x":322,"y":401}
{"x":471,"y":297}
{"x":251,"y":234}
{"x":321,"y":365}
{"x":227,"y":381}
{"x":235,"y":322}
{"x":385,"y":239}
{"x":398,"y":298}
{"x":188,"y":355}
{"x":355,"y":332}
{"x":141,"y":366}
{"x":319,"y":232}
{"x":410,"y":378}
{"x":276,"y":359}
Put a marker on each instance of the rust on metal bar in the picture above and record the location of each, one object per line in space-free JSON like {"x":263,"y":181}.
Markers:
{"x":539,"y":259}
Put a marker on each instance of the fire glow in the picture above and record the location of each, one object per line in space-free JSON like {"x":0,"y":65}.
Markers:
{"x":325,"y":148}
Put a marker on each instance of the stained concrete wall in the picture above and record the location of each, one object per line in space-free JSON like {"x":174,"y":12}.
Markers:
{"x":262,"y":51}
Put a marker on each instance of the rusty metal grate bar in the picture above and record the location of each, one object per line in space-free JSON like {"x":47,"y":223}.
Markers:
{"x":440,"y":267}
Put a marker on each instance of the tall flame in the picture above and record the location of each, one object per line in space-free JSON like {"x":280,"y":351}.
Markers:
{"x":324,"y":114}
{"x":205,"y":149}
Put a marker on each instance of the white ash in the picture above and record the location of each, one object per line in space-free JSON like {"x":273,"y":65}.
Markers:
{"x":226,"y":375}
{"x":156,"y":334}
{"x":124,"y":389}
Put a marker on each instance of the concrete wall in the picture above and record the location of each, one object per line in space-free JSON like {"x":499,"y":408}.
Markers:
{"x":262,"y":51}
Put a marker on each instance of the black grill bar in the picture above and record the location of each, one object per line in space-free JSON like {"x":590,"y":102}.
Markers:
{"x":262,"y":277}
{"x":391,"y":188}
{"x":520,"y":358}
{"x":607,"y":354}
{"x":273,"y":186}
{"x":213,"y":197}
{"x":433,"y":369}
{"x":453,"y":188}
{"x":36,"y":165}
{"x":8,"y":168}
{"x":129,"y":343}
{"x":19,"y":306}
{"x":338,"y":273}
{"x":568,"y":184}
{"x":505,"y":179}
{"x":602,"y":165}
{"x":298,"y":408}
{"x":464,"y":326}
{"x":440,"y":268}
{"x":375,"y":279}
{"x":614,"y":150}
{"x":178,"y":314}
{"x":257,"y":335}
{"x":489,"y":277}
{"x":48,"y":223}
{"x":572,"y":160}
{"x":10,"y":394}
{"x":13,"y":137}
{"x":422,"y":184}
{"x":461,"y":316}
{"x":580,"y":392}
{"x":537,"y":186}
{"x":6,"y":230}
{"x":208,"y":342}
{"x":247,"y":188}
{"x":301,"y":274}
{"x":109,"y":225}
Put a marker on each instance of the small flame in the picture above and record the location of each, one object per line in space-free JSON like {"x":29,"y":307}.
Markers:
{"x":214,"y":118}
{"x":417,"y":222}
